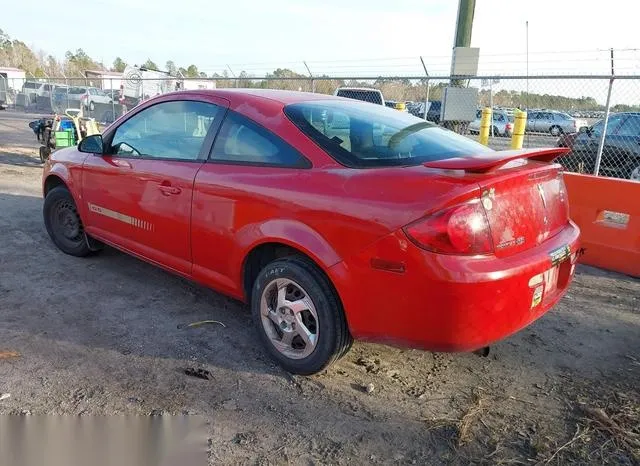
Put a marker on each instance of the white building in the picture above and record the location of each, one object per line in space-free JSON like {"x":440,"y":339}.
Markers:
{"x":195,"y":84}
{"x":106,"y":80}
{"x":14,"y":77}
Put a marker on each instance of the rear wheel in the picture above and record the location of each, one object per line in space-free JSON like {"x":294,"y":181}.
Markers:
{"x":299,"y":316}
{"x":63,"y":222}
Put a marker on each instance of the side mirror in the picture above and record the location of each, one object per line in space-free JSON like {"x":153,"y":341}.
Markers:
{"x":92,"y":144}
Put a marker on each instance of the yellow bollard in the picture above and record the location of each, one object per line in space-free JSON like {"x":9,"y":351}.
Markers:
{"x":485,"y":126}
{"x":518,"y":129}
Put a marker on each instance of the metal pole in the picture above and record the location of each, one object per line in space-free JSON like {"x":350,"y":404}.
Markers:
{"x":491,"y":104}
{"x":526,"y":103}
{"x":464,"y":27}
{"x":426,"y":98}
{"x":313,"y":84}
{"x":596,"y":170}
{"x":113,"y":104}
{"x":234,"y":75}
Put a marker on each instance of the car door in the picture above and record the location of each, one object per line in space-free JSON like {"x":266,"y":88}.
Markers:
{"x":531,"y":119}
{"x":138,"y":194}
{"x":543,"y":122}
{"x":585,"y":147}
{"x":234,"y":194}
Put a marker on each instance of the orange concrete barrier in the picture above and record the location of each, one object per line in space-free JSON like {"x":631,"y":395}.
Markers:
{"x":607,"y":210}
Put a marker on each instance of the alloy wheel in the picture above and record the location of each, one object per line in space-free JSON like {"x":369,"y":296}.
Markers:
{"x":289,"y":318}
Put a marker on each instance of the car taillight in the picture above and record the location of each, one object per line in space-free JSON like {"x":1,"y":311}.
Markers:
{"x":508,"y":126}
{"x":461,"y":229}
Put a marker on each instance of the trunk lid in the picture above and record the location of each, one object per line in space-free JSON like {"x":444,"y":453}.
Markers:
{"x":525,"y":202}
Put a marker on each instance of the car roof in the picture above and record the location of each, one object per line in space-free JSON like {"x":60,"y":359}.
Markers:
{"x":280,"y":96}
{"x":346,"y":88}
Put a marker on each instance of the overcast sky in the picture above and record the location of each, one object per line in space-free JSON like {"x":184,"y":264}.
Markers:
{"x":333,"y":36}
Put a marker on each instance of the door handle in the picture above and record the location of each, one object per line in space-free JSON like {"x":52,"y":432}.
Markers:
{"x":169,"y":190}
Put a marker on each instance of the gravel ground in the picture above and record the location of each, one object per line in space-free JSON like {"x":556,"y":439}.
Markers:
{"x":102,"y":336}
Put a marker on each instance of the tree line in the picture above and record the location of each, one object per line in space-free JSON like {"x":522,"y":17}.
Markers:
{"x":15,"y":53}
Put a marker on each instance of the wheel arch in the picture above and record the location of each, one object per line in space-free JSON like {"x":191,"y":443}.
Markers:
{"x":52,"y":181}
{"x":268,"y":250}
{"x":59,"y":175}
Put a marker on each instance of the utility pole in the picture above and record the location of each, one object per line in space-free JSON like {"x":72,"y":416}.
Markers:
{"x":464,"y":27}
{"x":464,"y":23}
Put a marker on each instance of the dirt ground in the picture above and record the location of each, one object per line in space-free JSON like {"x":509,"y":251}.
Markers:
{"x":103,"y":336}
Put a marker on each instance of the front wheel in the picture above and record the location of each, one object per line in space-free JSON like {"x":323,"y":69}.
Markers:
{"x":635,"y":174}
{"x":299,"y":316}
{"x":63,"y":222}
{"x":555,"y":131}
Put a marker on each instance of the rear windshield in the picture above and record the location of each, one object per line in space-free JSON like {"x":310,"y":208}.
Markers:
{"x":361,"y":94}
{"x":31,"y":85}
{"x":77,"y":90}
{"x":360,"y":135}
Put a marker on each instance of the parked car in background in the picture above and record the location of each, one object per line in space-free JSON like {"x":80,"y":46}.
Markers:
{"x":502,"y":123}
{"x":553,"y":122}
{"x":620,"y":153}
{"x":433,"y":113}
{"x":94,"y":96}
{"x":373,"y":96}
{"x":254,"y":193}
{"x":402,"y":106}
{"x":38,"y":88}
{"x":113,"y":94}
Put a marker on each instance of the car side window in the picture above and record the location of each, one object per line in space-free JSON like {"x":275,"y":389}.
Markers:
{"x":168,"y":130}
{"x":242,"y":141}
{"x":498,"y":117}
{"x":630,"y":127}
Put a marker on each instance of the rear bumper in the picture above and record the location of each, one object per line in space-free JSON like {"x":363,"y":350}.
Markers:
{"x":450,"y":303}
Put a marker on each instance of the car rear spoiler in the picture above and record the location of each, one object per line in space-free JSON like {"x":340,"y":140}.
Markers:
{"x":493,"y":160}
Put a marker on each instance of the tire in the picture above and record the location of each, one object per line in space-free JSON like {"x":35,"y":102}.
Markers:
{"x":635,"y":174}
{"x":63,"y":222}
{"x":92,"y":107}
{"x":314,"y":307}
{"x":555,"y":131}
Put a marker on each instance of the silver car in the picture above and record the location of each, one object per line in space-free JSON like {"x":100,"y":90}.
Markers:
{"x":553,"y":122}
{"x":502,"y":123}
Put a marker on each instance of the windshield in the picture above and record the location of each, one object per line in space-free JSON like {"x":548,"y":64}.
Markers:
{"x":31,"y":85}
{"x":362,"y":135}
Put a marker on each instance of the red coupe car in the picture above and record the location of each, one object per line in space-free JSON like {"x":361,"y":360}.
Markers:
{"x":334,"y":219}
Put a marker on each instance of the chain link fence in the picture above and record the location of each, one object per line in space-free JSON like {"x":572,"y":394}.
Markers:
{"x":596,"y":117}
